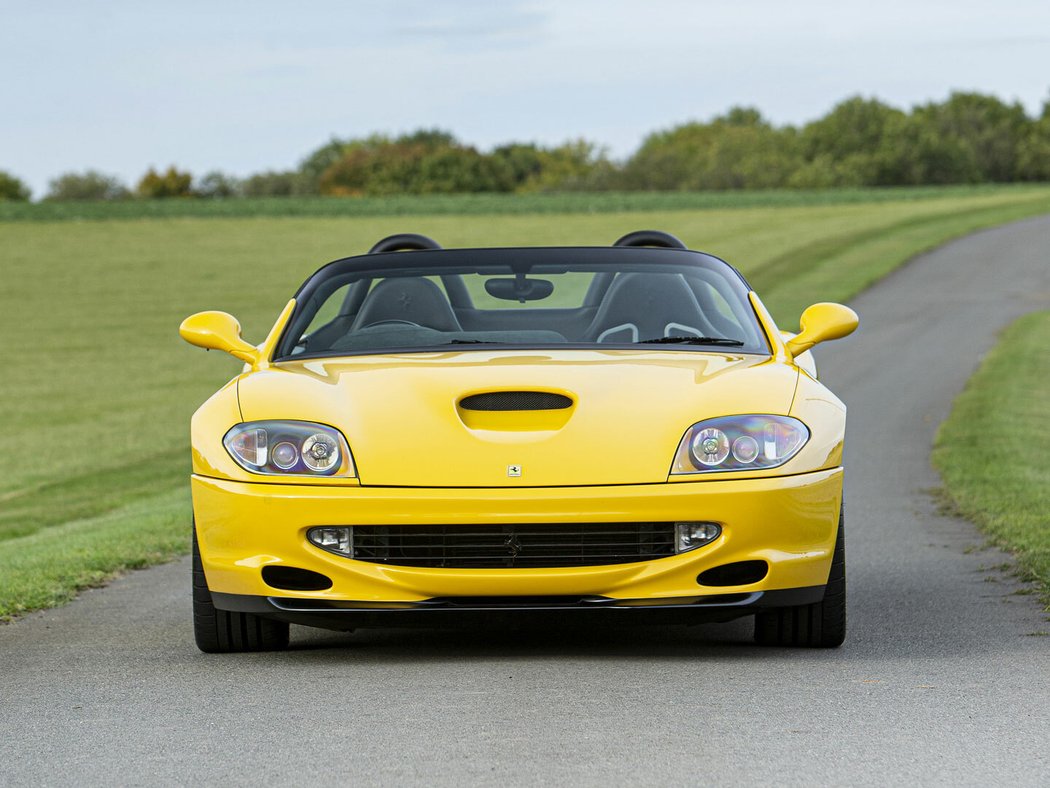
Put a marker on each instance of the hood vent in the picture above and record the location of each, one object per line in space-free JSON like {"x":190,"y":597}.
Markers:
{"x":516,"y":400}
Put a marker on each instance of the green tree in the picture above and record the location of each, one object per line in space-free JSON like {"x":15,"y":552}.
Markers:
{"x":739,"y":150}
{"x":847,"y":146}
{"x":462,"y":169}
{"x":218,"y":185}
{"x":572,"y":166}
{"x":86,"y":186}
{"x":350,"y":175}
{"x":855,"y":126}
{"x":423,"y":161}
{"x":171,"y":183}
{"x":11,"y":188}
{"x":825,"y":172}
{"x":991,"y":129}
{"x":272,"y":184}
{"x":429,"y":139}
{"x":314,"y":165}
{"x":376,"y":166}
{"x":916,"y":154}
{"x":1033,"y":152}
{"x":523,"y":161}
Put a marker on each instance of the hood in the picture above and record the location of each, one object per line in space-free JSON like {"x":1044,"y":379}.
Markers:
{"x":407,"y":425}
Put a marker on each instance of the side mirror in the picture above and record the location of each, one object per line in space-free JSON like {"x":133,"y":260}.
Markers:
{"x":218,"y":331}
{"x":822,"y":322}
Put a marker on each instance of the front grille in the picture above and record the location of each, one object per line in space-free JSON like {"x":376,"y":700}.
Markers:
{"x":516,"y":400}
{"x":520,"y":546}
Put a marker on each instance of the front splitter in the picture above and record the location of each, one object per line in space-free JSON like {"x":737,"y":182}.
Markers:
{"x":459,"y":612}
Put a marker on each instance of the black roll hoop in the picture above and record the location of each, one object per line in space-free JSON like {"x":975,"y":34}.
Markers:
{"x":404,"y":242}
{"x":650,"y":238}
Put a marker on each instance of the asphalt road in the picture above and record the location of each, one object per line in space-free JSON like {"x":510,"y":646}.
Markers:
{"x":941,"y":680}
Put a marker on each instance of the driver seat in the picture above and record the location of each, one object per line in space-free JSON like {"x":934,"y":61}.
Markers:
{"x":411,"y":299}
{"x":648,"y":306}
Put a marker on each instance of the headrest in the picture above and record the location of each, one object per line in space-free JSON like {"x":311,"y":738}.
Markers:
{"x":641,"y":306}
{"x":412,"y":299}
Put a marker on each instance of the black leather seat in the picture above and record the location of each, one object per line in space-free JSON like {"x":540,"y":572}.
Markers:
{"x":408,"y":299}
{"x":647,"y":306}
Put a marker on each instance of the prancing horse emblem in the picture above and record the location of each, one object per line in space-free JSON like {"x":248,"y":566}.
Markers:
{"x":514,"y":470}
{"x":513,"y":545}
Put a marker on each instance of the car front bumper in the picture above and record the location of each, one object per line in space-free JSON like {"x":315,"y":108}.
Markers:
{"x":789,"y":522}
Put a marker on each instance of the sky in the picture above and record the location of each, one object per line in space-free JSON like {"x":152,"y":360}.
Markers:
{"x":121,"y":85}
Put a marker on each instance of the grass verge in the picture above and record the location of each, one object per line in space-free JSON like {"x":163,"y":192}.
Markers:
{"x":47,"y":568}
{"x":992,"y":454}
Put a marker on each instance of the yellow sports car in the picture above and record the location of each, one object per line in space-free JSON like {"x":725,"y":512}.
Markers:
{"x":429,"y":436}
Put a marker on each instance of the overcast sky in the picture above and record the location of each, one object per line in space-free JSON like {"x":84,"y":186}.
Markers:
{"x":121,"y":85}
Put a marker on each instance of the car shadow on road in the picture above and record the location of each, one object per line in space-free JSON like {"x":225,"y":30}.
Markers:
{"x":555,"y":637}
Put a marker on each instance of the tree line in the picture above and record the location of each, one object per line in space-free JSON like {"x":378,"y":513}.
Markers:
{"x":967,"y":138}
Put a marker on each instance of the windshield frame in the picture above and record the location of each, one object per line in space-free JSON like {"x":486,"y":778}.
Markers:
{"x":517,"y":259}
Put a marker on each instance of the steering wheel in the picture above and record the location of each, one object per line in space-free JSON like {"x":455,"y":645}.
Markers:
{"x":393,"y":322}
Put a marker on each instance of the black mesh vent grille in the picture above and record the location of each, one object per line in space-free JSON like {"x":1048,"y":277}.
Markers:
{"x":516,"y":400}
{"x":520,"y":545}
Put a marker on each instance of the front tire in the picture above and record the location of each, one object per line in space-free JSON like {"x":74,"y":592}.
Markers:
{"x":225,"y":632}
{"x":819,"y":625}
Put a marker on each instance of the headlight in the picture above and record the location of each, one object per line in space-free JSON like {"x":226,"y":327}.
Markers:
{"x":739,"y":443}
{"x":290,"y":447}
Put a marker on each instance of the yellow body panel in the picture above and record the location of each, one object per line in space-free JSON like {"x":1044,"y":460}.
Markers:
{"x":790,"y":522}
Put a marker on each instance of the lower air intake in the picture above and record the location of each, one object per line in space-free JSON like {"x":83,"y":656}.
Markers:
{"x":292,"y":578}
{"x":740,"y":573}
{"x":523,"y":546}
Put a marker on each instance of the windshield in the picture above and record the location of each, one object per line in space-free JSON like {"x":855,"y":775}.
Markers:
{"x":523,"y":298}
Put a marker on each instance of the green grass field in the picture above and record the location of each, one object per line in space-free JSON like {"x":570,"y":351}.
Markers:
{"x":1004,"y":486}
{"x":97,"y":387}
